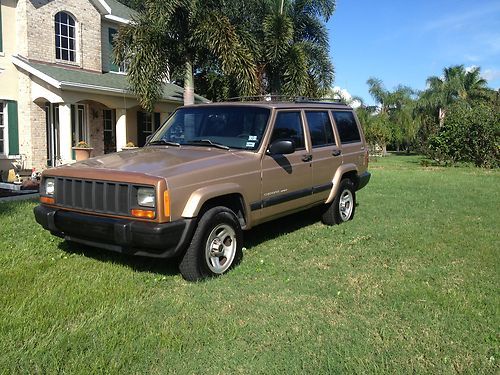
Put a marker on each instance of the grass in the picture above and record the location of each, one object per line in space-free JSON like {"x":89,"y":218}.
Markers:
{"x":410,"y":285}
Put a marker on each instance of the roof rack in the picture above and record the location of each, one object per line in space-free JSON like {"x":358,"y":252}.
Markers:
{"x":285,"y":98}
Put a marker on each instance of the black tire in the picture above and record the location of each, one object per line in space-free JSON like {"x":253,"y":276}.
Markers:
{"x":336,"y":213}
{"x":202,"y":259}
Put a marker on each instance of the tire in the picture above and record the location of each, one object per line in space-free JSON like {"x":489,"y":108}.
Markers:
{"x":343,"y":206}
{"x":216,"y":246}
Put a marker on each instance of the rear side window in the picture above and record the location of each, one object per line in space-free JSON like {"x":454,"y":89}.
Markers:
{"x":320,"y":128}
{"x":288,"y":126}
{"x":347,"y":127}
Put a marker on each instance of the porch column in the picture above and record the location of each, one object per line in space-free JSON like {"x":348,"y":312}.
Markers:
{"x":121,"y":128}
{"x":65,"y":141}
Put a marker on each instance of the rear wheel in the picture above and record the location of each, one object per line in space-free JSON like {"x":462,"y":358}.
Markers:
{"x":343,"y":206}
{"x":216,"y":245}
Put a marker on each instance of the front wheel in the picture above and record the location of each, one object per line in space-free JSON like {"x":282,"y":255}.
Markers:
{"x":216,"y":245}
{"x":343,"y":206}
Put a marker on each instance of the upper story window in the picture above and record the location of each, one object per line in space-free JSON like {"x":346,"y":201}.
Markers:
{"x":65,"y":37}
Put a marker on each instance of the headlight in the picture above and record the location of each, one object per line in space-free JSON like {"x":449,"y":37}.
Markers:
{"x":146,"y":197}
{"x":50,"y":186}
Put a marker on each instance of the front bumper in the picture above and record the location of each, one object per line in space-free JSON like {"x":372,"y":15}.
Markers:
{"x":121,"y":235}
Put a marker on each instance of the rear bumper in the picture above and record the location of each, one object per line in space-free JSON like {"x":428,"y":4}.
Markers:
{"x":363,"y":180}
{"x":121,"y":235}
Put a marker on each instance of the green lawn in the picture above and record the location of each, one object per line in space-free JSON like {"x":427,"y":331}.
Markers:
{"x":411,"y":285}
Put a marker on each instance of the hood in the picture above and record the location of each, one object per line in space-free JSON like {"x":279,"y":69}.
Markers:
{"x":162,"y":161}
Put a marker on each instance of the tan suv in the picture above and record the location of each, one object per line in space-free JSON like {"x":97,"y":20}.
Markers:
{"x":210,"y":172}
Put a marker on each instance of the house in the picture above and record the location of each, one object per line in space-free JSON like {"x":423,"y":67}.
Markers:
{"x":59,"y":86}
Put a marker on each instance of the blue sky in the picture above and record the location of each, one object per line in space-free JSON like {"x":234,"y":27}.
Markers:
{"x":406,"y":41}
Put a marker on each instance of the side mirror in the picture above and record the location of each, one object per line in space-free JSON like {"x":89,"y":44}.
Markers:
{"x":281,"y":147}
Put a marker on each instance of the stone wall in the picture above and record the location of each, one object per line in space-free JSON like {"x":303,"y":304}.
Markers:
{"x":40,"y":16}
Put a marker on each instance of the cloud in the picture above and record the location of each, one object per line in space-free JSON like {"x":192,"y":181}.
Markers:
{"x":458,"y":21}
{"x":343,"y":94}
{"x":491,"y":74}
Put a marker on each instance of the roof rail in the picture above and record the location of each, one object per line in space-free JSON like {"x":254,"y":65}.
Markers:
{"x":285,"y":98}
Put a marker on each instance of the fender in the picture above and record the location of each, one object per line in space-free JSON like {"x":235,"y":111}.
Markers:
{"x":201,"y":195}
{"x":343,"y":169}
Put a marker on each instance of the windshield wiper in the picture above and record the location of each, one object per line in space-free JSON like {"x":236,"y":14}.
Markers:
{"x":195,"y":142}
{"x":163,"y":142}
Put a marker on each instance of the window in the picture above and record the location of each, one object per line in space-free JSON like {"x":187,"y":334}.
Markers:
{"x":147,"y":123}
{"x":65,"y":37}
{"x":123,"y":67}
{"x":239,"y":127}
{"x":347,"y":127}
{"x":79,"y":124}
{"x":288,"y":126}
{"x":109,"y":131}
{"x":3,"y":130}
{"x":320,"y":128}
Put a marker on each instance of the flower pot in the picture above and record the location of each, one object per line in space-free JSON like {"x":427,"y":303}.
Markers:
{"x":82,"y":153}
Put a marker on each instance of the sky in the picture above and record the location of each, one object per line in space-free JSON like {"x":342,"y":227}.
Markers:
{"x":406,"y":41}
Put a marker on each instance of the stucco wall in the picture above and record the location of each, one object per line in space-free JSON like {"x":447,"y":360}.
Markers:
{"x":41,"y":32}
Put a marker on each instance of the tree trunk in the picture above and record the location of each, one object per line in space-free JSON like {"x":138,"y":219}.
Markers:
{"x":188,"y":84}
{"x":441,"y":115}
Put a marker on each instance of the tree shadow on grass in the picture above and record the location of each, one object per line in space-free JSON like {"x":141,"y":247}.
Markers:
{"x":169,"y":267}
{"x":165,"y":267}
{"x":279,"y":227}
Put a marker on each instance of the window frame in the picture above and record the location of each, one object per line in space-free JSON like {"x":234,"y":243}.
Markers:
{"x":305,"y":132}
{"x":332,"y":127}
{"x":58,"y":37}
{"x":360,"y":140}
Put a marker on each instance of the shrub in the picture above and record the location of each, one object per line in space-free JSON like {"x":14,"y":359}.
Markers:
{"x":469,"y":134}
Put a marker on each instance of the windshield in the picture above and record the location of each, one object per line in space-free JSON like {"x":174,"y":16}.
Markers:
{"x":239,"y":127}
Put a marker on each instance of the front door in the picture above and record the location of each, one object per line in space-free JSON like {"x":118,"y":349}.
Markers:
{"x":286,"y":179}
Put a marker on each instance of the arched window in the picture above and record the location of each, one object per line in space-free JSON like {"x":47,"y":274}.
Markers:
{"x":65,"y":37}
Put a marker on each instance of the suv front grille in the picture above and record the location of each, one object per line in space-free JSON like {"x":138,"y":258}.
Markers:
{"x":96,"y":196}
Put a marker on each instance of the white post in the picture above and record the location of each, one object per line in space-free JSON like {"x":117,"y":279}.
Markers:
{"x":121,"y":128}
{"x":65,"y":141}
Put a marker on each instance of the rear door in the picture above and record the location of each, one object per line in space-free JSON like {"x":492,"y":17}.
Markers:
{"x":287,"y":179}
{"x":353,"y":150}
{"x":326,"y":154}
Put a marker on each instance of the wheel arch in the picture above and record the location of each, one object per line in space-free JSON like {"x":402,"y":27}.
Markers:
{"x":226,"y":195}
{"x":344,"y":171}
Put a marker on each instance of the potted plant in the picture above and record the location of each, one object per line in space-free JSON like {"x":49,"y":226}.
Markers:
{"x":129,"y":146}
{"x":82,"y":150}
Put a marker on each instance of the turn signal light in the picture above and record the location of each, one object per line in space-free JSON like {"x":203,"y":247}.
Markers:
{"x":47,"y":200}
{"x":166,"y":203}
{"x":144,"y":214}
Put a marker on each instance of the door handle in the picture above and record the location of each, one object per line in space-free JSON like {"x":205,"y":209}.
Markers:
{"x":307,"y":157}
{"x":336,"y":152}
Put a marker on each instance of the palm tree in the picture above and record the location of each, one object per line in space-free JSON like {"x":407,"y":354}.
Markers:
{"x":457,"y":83}
{"x":170,"y":38}
{"x":289,"y":43}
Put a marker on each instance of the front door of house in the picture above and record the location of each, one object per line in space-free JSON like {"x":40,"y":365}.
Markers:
{"x":52,"y":132}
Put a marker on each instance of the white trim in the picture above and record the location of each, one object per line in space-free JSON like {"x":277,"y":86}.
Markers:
{"x":116,"y":19}
{"x":104,"y":5}
{"x":44,"y":77}
{"x":5,"y":125}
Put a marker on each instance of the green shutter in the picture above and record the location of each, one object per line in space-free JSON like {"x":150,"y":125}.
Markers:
{"x":13,"y":128}
{"x":1,"y":39}
{"x":112,"y":66}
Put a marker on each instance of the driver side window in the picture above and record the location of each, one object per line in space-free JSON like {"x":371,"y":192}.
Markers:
{"x":288,"y":126}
